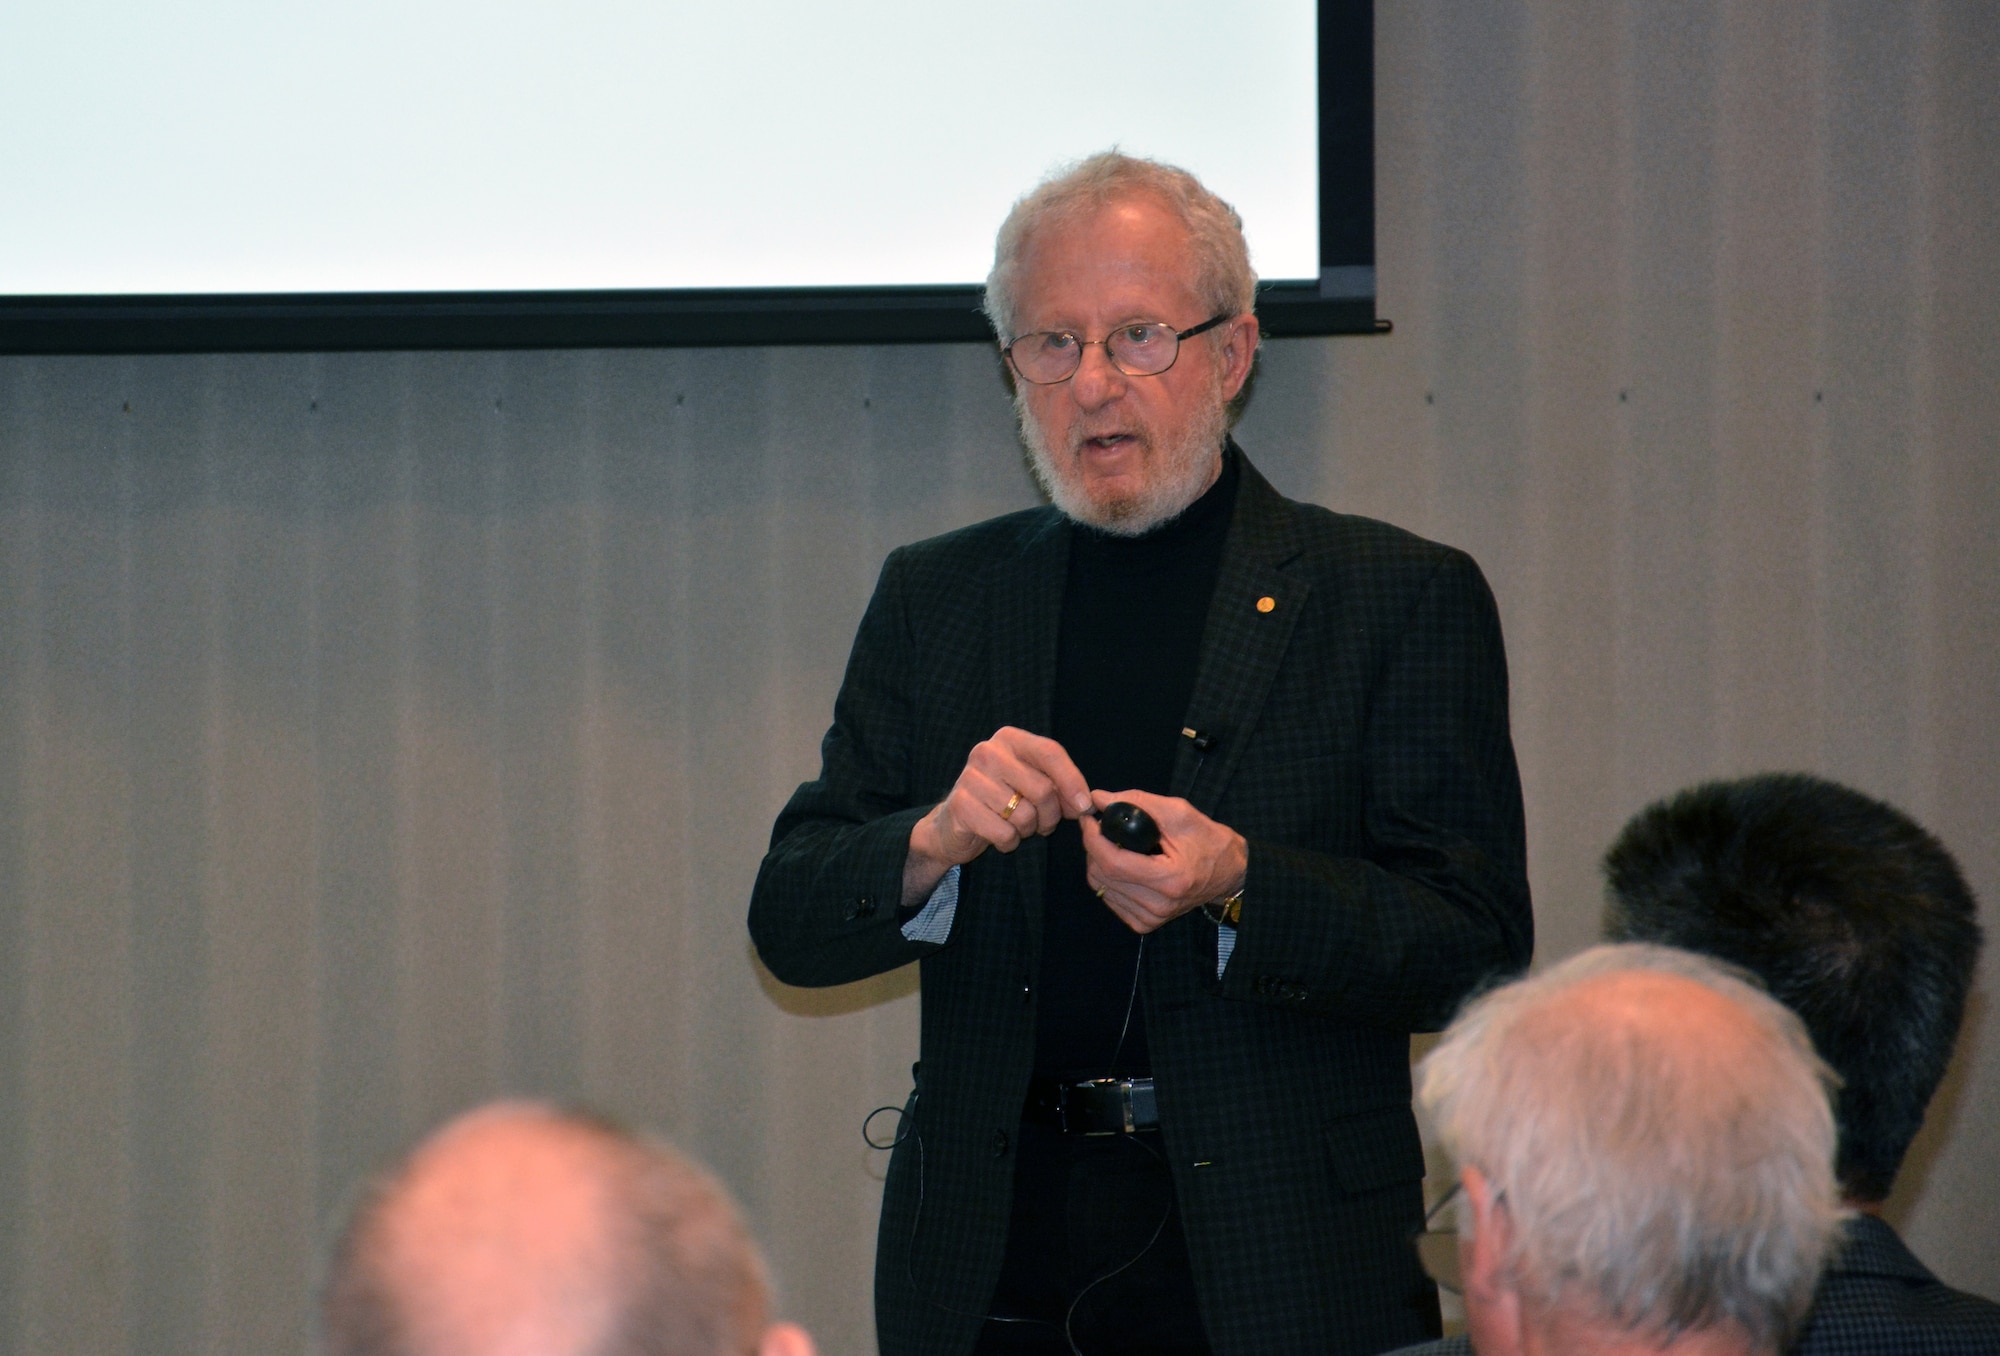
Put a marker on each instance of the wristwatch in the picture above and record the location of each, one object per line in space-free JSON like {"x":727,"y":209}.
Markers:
{"x":1227,"y":910}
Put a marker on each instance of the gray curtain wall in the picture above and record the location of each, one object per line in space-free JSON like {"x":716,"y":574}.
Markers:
{"x":383,"y":733}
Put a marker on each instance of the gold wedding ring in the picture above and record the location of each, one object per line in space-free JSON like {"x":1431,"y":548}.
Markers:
{"x":1100,"y":891}
{"x":1007,"y":811}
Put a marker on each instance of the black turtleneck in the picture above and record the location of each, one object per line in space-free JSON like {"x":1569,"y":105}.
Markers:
{"x":1132,"y":617}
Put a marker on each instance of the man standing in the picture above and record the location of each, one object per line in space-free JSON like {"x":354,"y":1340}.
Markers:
{"x":1163,"y":1102}
{"x":1860,"y":922}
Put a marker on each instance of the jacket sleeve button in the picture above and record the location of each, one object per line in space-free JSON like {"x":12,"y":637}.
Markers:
{"x":1000,"y":1143}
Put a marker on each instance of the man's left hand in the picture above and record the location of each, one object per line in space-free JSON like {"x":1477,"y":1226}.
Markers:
{"x":1199,"y":860}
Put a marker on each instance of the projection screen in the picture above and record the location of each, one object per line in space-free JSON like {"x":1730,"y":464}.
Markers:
{"x":438,"y":173}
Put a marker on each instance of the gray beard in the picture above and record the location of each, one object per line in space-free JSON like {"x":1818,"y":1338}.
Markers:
{"x":1185,"y":467}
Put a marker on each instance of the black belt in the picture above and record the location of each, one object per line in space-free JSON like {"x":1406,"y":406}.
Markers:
{"x":1098,"y":1106}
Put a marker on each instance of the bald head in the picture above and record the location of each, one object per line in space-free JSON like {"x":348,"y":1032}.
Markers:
{"x":518,"y":1229}
{"x":1657,"y":1136}
{"x":1678,"y":1030}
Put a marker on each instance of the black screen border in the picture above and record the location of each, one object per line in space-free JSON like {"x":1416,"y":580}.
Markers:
{"x":1340,"y":301}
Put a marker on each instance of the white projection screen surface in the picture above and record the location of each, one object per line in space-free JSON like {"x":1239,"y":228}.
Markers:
{"x":238,"y":149}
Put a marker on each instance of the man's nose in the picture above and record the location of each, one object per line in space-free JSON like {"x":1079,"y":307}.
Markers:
{"x":1097,"y":381}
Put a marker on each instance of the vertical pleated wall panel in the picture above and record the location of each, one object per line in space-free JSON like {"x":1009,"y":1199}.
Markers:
{"x":382,"y":733}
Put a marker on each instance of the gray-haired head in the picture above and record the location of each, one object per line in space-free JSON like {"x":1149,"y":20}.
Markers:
{"x":520,"y":1227}
{"x":1664,"y":1159}
{"x":1223,"y":276}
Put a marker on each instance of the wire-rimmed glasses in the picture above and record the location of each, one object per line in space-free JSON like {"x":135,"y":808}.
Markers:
{"x":1144,"y":348}
{"x":1437,"y":1249}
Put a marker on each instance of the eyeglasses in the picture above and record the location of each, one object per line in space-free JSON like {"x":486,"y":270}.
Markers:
{"x":1144,"y":348}
{"x":1437,"y":1249}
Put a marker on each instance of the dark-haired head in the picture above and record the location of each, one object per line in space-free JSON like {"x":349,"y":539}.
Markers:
{"x":1850,"y":913}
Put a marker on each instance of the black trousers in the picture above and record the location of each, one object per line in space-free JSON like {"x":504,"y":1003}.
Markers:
{"x":1095,"y":1241}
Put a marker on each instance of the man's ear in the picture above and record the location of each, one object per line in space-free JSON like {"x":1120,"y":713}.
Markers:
{"x":785,"y":1339}
{"x":1239,"y":350}
{"x":1492,"y":1304}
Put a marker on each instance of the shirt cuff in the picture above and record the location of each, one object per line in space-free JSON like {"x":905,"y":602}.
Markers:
{"x":1225,"y":945}
{"x":933,"y":921}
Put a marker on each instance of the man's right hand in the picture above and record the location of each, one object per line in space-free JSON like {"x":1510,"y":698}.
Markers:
{"x":1013,"y":786}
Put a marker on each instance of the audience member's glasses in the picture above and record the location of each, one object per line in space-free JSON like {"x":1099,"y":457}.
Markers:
{"x":1437,"y":1248}
{"x":1144,"y":348}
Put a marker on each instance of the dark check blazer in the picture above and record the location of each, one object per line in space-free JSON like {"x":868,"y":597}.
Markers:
{"x":1876,"y":1299}
{"x":1360,"y":744}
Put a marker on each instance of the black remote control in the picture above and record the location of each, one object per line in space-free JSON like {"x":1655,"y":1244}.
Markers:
{"x":1130,"y":827}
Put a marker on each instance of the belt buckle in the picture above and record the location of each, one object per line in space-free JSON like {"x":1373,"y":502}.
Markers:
{"x":1126,"y":1121}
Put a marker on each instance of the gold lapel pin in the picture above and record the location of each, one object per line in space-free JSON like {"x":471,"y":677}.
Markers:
{"x":1267,"y":603}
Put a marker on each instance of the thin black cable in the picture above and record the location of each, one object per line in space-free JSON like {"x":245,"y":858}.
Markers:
{"x":906,"y":1129}
{"x":869,"y":1119}
{"x":1069,"y":1316}
{"x":910,"y":1262}
{"x":910,"y":1130}
{"x":1131,"y":1000}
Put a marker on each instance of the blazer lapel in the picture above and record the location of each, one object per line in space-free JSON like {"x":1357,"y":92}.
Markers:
{"x":1250,"y":623}
{"x":1025,"y":593}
